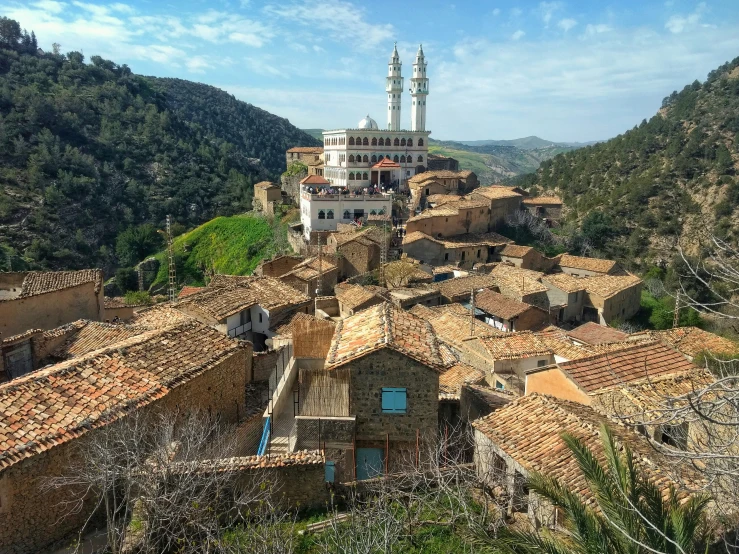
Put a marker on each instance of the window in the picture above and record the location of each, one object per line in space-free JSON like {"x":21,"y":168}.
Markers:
{"x":499,"y":385}
{"x":374,"y":158}
{"x":478,"y":252}
{"x":347,"y":215}
{"x":351,"y":158}
{"x":541,"y":363}
{"x":394,"y":401}
{"x":373,"y":212}
{"x":260,"y":318}
{"x":321,"y":214}
{"x":420,"y":142}
{"x":351,"y":141}
{"x":245,"y":317}
{"x":366,"y":159}
{"x":365,"y":142}
{"x":381,"y":142}
{"x":329,"y":472}
{"x":397,"y":142}
{"x":410,"y":142}
{"x":402,"y":142}
{"x":462,"y":255}
{"x":351,"y":176}
{"x":420,"y":158}
{"x":396,"y":159}
{"x":374,"y":141}
{"x":364,"y":175}
{"x":446,"y":256}
{"x":382,"y":211}
{"x":330,"y":214}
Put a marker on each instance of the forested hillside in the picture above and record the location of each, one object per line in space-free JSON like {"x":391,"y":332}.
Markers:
{"x":89,"y":151}
{"x":672,"y":176}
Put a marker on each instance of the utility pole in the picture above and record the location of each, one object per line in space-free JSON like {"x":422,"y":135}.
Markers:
{"x":172,"y":267}
{"x":319,"y":283}
{"x":676,"y":315}
{"x":472,"y":313}
{"x":383,"y":253}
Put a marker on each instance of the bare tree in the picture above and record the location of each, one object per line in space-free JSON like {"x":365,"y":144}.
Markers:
{"x":398,"y":273}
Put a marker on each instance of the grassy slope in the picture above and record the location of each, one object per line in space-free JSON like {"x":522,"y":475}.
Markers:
{"x":231,"y":245}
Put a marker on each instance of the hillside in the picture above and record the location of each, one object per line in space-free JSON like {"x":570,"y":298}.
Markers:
{"x":672,"y":176}
{"x":89,"y":150}
{"x":525,"y":143}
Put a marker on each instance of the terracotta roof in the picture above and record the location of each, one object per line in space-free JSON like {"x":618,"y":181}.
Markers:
{"x":306,"y":149}
{"x":384,"y":326}
{"x":474,"y":239}
{"x":310,"y":269}
{"x":41,"y":282}
{"x":511,"y":346}
{"x":266,"y":185}
{"x":353,"y":296}
{"x":609,"y":285}
{"x":691,"y":341}
{"x":515,"y":251}
{"x":529,"y":431}
{"x":386,"y":163}
{"x":587,"y":264}
{"x":561,"y":347}
{"x":59,"y":403}
{"x":314,"y":180}
{"x":447,"y":210}
{"x":464,"y":285}
{"x":542,"y":201}
{"x":454,"y":308}
{"x":494,"y":398}
{"x":188,"y":290}
{"x":521,"y":281}
{"x":438,"y":174}
{"x":564,"y":282}
{"x":160,"y":315}
{"x":88,"y":336}
{"x":494,"y":191}
{"x":22,"y":336}
{"x":454,"y":329}
{"x":448,"y":356}
{"x":371,"y":232}
{"x":592,"y":333}
{"x":243,"y":463}
{"x":501,"y":306}
{"x":440,"y":199}
{"x":285,"y":328}
{"x":625,"y":365}
{"x":451,"y":381}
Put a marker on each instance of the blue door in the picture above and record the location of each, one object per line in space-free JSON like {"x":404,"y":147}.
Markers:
{"x":370,"y":463}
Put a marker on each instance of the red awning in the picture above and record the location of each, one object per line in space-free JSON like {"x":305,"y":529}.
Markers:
{"x":386,"y":163}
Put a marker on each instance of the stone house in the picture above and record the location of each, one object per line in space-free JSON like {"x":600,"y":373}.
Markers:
{"x":504,"y":460}
{"x":508,"y":314}
{"x":460,"y":289}
{"x":267,"y":195}
{"x":578,"y":266}
{"x":589,"y":334}
{"x":523,"y":285}
{"x":566,"y":295}
{"x":525,"y":257}
{"x":355,"y":298}
{"x":277,"y":266}
{"x":610,"y":297}
{"x":437,"y":162}
{"x":502,"y":201}
{"x":446,"y":182}
{"x":462,"y":250}
{"x":381,"y":380}
{"x":544,"y":207}
{"x":304,"y":154}
{"x":407,"y":297}
{"x":20,"y":354}
{"x":307,"y":275}
{"x":56,"y":410}
{"x":463,"y":215}
{"x":357,"y":252}
{"x":45,"y":300}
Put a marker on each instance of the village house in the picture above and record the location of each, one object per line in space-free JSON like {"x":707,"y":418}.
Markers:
{"x":428,"y":183}
{"x":461,"y":216}
{"x":548,"y":208}
{"x":304,"y":155}
{"x":313,"y":277}
{"x":36,"y":299}
{"x":437,"y":162}
{"x":591,"y":333}
{"x":611,"y":297}
{"x":578,"y":266}
{"x":20,"y":354}
{"x":525,"y":257}
{"x":502,"y":201}
{"x":357,"y":251}
{"x":407,"y":297}
{"x":691,"y":341}
{"x":48,"y":416}
{"x":504,"y":460}
{"x":566,"y":295}
{"x":355,"y":298}
{"x":523,"y":285}
{"x":463,"y":250}
{"x":508,"y":314}
{"x":267,"y":195}
{"x":460,"y":289}
{"x":278,"y":266}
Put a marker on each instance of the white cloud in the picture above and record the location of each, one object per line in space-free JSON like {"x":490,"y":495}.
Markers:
{"x":49,"y":6}
{"x":197,"y":64}
{"x":496,"y":12}
{"x":566,"y":24}
{"x":679,"y":23}
{"x":517,"y":35}
{"x":546,"y":11}
{"x":597,"y":29}
{"x":317,"y":48}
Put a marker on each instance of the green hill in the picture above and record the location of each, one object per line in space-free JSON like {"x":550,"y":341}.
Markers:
{"x":229,"y":245}
{"x":315,"y":133}
{"x":89,"y":150}
{"x":672,"y":176}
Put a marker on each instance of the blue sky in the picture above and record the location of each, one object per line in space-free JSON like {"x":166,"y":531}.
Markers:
{"x":567,"y":71}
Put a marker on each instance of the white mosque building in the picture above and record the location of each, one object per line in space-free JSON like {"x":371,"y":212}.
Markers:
{"x":368,"y":155}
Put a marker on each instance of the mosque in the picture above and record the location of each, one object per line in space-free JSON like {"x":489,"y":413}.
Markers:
{"x":367,"y":155}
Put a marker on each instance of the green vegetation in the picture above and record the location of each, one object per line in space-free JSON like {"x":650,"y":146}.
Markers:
{"x":674,"y":175}
{"x":630,"y":514}
{"x":126,"y":279}
{"x":315,"y":133}
{"x":137,"y":298}
{"x":231,"y":245}
{"x":90,"y":151}
{"x":296,"y":168}
{"x":659,"y":313}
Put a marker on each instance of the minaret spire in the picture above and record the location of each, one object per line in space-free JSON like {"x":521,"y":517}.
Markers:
{"x":394,"y":89}
{"x":419,"y":92}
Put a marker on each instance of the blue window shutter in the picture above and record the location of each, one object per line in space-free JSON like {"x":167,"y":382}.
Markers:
{"x":330,"y":471}
{"x":394,"y":400}
{"x":400,"y":400}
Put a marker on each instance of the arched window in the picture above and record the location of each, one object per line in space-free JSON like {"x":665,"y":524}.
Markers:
{"x":351,"y":141}
{"x":374,"y":141}
{"x":396,"y":159}
{"x":397,"y":141}
{"x":387,"y":142}
{"x":373,"y":212}
{"x":374,"y":159}
{"x":364,"y":176}
{"x":420,"y":142}
{"x":358,"y":141}
{"x":402,"y":159}
{"x":347,"y":215}
{"x":330,"y":214}
{"x":402,"y":142}
{"x":382,"y":142}
{"x":420,"y":158}
{"x":321,"y":214}
{"x":410,"y":142}
{"x":382,"y":211}
{"x":351,"y":176}
{"x":365,"y":142}
{"x":366,"y":159}
{"x":351,"y":158}
{"x":387,"y":156}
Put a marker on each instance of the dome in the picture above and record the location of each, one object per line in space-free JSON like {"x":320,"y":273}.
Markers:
{"x":367,"y":123}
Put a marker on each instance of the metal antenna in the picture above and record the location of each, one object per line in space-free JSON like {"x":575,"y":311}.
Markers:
{"x":170,"y":255}
{"x":676,"y":315}
{"x":472,"y":313}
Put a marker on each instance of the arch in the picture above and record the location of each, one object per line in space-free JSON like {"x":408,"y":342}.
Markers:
{"x":373,"y":212}
{"x":387,"y":156}
{"x":351,"y":158}
{"x":381,"y":142}
{"x":330,"y":214}
{"x":374,"y":159}
{"x":351,"y":176}
{"x":420,"y":158}
{"x":365,"y":159}
{"x":410,"y":142}
{"x":321,"y":214}
{"x":365,"y":141}
{"x":382,"y":211}
{"x":374,"y":141}
{"x":402,"y":142}
{"x":347,"y":215}
{"x":396,"y":159}
{"x":420,"y":142}
{"x":396,"y":142}
{"x":365,"y":176}
{"x":351,"y":141}
{"x":387,"y":142}
{"x":402,"y":159}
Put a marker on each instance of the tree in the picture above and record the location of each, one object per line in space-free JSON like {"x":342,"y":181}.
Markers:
{"x":135,"y":243}
{"x":629,"y":516}
{"x":398,"y":273}
{"x":598,"y":228}
{"x":126,"y":279}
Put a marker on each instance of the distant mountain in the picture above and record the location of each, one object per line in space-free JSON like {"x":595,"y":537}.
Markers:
{"x":526,"y":143}
{"x":672,"y":176}
{"x":315,"y":133}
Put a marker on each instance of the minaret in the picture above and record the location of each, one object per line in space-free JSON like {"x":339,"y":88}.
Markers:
{"x":419,"y":91}
{"x":394,"y":88}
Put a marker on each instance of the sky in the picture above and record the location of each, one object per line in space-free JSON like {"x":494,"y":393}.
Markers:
{"x":561,"y":70}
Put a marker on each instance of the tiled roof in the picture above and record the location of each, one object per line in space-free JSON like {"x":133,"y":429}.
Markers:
{"x":386,"y":162}
{"x":454,"y":308}
{"x":592,"y":333}
{"x":384,"y":326}
{"x":563,"y":348}
{"x":529,"y":430}
{"x":310,"y":268}
{"x":416,"y":236}
{"x":564,"y":282}
{"x":464,"y":285}
{"x":588,"y":264}
{"x":188,"y":290}
{"x":501,"y":306}
{"x":59,"y":403}
{"x":88,"y":336}
{"x":314,"y":180}
{"x":266,"y":185}
{"x":608,"y":285}
{"x":286,"y":327}
{"x":447,"y":210}
{"x":510,"y":346}
{"x":515,"y":251}
{"x":424,"y":312}
{"x":21,"y":336}
{"x":494,"y":191}
{"x":451,"y":381}
{"x":353,"y":296}
{"x":691,"y":341}
{"x":440,"y":199}
{"x":299,"y":458}
{"x":454,"y":329}
{"x":542,"y":201}
{"x":448,"y":356}
{"x":625,"y":365}
{"x":371,"y":232}
{"x":306,"y":149}
{"x":474,"y":239}
{"x":522,"y":281}
{"x":40,"y":282}
{"x":494,"y":398}
{"x":219,"y":302}
{"x":439,"y":174}
{"x":161,"y":315}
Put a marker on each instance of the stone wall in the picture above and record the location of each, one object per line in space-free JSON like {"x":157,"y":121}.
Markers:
{"x":149,"y":268}
{"x":278,"y":266}
{"x":357,"y":258}
{"x":311,"y":433}
{"x":290,"y":185}
{"x":263,"y":363}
